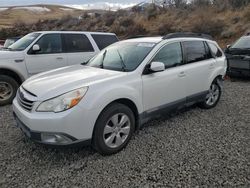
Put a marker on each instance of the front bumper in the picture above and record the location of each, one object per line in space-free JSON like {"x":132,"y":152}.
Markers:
{"x":72,"y":127}
{"x":55,"y":138}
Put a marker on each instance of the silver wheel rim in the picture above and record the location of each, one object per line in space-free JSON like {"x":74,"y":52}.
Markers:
{"x":6,"y":91}
{"x":116,"y":130}
{"x":213,"y":95}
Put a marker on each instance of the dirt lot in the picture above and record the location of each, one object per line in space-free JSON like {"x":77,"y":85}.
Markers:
{"x":195,"y":148}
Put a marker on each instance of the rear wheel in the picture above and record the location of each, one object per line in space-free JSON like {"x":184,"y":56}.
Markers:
{"x":212,"y":97}
{"x":113,"y":129}
{"x":8,"y":89}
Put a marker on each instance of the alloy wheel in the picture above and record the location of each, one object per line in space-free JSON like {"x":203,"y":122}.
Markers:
{"x":213,"y":95}
{"x":116,"y":130}
{"x":6,"y":91}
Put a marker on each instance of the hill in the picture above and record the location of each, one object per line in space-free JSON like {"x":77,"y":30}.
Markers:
{"x":223,"y":21}
{"x":31,"y":14}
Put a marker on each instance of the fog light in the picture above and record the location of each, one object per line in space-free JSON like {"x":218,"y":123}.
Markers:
{"x":51,"y":138}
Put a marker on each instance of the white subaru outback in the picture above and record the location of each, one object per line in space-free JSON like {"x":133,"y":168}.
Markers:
{"x":104,"y":101}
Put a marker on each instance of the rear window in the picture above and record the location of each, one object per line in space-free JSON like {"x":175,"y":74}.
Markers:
{"x":195,"y":51}
{"x":103,"y":41}
{"x":215,"y":50}
{"x":77,"y":43}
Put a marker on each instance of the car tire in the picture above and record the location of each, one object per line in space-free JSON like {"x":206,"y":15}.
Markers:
{"x":212,"y":97}
{"x":114,"y":128}
{"x":8,"y":89}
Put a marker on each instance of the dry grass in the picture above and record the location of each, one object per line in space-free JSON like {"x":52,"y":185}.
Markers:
{"x":224,"y":25}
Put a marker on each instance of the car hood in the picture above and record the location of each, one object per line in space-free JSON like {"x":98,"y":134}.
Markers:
{"x":6,"y":54}
{"x":56,"y":82}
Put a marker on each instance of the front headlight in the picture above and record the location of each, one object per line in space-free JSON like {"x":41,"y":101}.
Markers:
{"x":63,"y":102}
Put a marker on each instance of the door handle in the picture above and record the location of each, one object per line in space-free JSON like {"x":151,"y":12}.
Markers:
{"x":182,"y":74}
{"x":59,"y":58}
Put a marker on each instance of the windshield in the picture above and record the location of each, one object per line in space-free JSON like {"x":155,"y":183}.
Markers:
{"x":24,"y":42}
{"x":242,"y":43}
{"x":9,"y":42}
{"x":123,"y":56}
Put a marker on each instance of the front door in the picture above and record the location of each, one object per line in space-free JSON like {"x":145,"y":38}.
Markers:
{"x":50,"y":56}
{"x":167,"y":89}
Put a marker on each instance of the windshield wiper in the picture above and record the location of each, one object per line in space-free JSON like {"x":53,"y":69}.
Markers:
{"x":104,"y":55}
{"x":85,"y":62}
{"x":122,"y":62}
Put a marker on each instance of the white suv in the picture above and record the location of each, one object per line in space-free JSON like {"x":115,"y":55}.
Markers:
{"x":43,"y":51}
{"x":126,"y":84}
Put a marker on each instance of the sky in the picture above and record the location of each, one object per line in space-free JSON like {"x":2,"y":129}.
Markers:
{"x":62,"y":2}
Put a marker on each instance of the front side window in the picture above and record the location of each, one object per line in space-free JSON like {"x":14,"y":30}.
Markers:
{"x":122,"y":56}
{"x":50,"y":44}
{"x":24,"y":42}
{"x":103,"y":41}
{"x":195,"y":51}
{"x":170,"y":55}
{"x":77,"y":43}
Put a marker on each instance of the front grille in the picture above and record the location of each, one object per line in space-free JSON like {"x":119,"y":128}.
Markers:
{"x":24,"y":102}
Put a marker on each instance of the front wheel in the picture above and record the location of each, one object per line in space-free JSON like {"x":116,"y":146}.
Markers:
{"x":113,"y":129}
{"x":8,"y":89}
{"x":212,"y":97}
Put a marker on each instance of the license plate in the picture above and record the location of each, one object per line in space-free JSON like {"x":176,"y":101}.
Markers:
{"x":23,"y":128}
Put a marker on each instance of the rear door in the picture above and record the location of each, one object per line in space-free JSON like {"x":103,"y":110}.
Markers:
{"x":49,"y":57}
{"x":199,"y":65}
{"x":78,"y":48}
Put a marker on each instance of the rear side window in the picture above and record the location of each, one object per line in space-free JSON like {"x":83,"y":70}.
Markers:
{"x":77,"y":43}
{"x":103,"y":41}
{"x":215,"y":50}
{"x":195,"y":51}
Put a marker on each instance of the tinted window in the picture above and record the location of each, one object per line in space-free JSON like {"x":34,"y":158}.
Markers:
{"x":78,"y":43}
{"x":49,"y":44}
{"x":195,"y":51}
{"x":103,"y":41}
{"x":170,"y":55}
{"x":215,"y":50}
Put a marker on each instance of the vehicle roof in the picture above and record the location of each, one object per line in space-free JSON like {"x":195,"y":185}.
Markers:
{"x":85,"y":32}
{"x":159,"y":39}
{"x":145,"y":39}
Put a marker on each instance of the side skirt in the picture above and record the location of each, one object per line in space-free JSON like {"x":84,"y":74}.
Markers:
{"x":170,"y":107}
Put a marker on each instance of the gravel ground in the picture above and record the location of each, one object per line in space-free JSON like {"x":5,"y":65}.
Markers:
{"x":195,"y":148}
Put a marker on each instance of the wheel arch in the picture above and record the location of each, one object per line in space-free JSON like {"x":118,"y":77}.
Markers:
{"x":127,"y":102}
{"x":19,"y":79}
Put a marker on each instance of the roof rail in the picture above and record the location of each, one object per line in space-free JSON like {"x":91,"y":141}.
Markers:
{"x":187,"y":34}
{"x":136,"y":36}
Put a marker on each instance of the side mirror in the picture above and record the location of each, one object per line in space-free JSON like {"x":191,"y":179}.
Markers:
{"x":36,"y":48}
{"x":157,"y":66}
{"x":228,"y":46}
